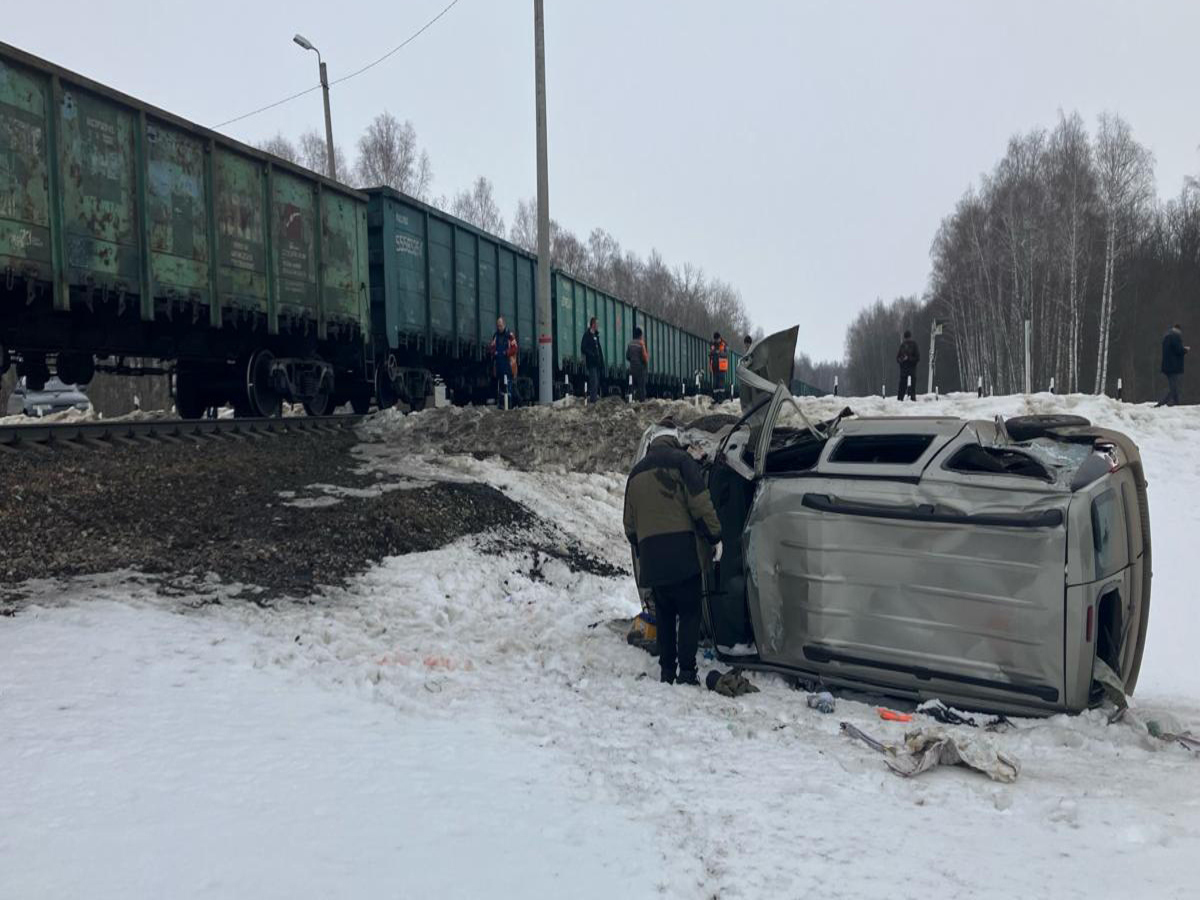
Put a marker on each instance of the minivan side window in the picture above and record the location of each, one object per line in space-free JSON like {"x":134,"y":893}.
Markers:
{"x":888,"y":449}
{"x":1106,"y":536}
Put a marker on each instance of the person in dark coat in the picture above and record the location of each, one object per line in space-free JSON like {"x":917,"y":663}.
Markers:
{"x":1173,"y":352}
{"x":593,"y":358}
{"x":503,"y":350}
{"x":674,"y":530}
{"x":638,"y":358}
{"x":908,"y":356}
{"x":718,"y":364}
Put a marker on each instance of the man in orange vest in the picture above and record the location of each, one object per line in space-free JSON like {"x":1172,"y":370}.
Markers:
{"x":718,"y":361}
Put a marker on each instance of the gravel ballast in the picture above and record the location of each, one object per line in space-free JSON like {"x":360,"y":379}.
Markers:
{"x":284,"y":514}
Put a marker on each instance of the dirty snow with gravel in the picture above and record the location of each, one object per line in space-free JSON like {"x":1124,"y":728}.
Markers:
{"x":458,"y":723}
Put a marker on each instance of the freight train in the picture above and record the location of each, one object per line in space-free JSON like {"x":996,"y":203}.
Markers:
{"x":129,"y":234}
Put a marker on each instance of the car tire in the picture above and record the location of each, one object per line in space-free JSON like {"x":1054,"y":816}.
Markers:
{"x":1026,"y":428}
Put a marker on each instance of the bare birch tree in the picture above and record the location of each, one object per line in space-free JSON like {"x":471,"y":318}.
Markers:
{"x":282,"y":147}
{"x":312,"y":153}
{"x":1125,"y":173}
{"x":477,"y":205}
{"x":388,"y":156}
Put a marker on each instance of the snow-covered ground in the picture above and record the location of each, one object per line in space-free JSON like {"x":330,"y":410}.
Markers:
{"x":462,"y":723}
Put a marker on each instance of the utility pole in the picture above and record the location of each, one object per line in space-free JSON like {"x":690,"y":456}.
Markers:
{"x":330,"y":164}
{"x":544,"y":318}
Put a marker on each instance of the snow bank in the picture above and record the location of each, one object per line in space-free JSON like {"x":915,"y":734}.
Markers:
{"x":174,"y":760}
{"x":568,"y":437}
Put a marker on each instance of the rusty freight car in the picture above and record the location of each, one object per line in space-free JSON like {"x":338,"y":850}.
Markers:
{"x":127,"y":232}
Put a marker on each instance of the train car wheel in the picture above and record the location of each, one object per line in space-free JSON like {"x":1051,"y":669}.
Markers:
{"x":189,"y":399}
{"x":323,"y":403}
{"x":385,"y":393}
{"x":262,"y":398}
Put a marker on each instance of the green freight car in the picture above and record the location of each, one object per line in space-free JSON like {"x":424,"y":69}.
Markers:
{"x":438,"y":285}
{"x":679,"y":361}
{"x":128,"y":233}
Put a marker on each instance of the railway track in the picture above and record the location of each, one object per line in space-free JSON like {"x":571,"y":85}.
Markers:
{"x":101,"y":434}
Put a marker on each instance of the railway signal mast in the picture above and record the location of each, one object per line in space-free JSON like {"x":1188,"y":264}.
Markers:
{"x":545,"y":356}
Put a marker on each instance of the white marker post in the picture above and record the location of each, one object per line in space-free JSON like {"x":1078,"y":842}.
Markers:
{"x":1028,"y":358}
{"x":835,"y":385}
{"x":587,"y":394}
{"x":631,"y":388}
{"x":506,"y":392}
{"x":911,"y":392}
{"x":1052,"y":385}
{"x":1120,"y":390}
{"x":979,"y":389}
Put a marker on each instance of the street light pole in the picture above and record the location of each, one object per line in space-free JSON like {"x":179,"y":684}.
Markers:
{"x":545,"y":341}
{"x":330,"y":165}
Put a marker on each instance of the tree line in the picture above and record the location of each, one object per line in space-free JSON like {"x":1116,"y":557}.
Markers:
{"x":1065,"y":232}
{"x":388,"y":153}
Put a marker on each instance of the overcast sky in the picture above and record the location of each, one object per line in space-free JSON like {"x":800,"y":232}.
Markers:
{"x":803,"y":151}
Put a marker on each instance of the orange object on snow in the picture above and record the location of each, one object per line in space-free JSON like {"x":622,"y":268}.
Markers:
{"x":890,"y":715}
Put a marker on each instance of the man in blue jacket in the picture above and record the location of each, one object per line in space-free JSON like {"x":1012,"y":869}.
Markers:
{"x":1173,"y":352}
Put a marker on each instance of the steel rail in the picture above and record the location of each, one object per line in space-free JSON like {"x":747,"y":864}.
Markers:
{"x":83,"y":435}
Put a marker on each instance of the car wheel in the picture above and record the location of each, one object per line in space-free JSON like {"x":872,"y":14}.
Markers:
{"x":1026,"y":428}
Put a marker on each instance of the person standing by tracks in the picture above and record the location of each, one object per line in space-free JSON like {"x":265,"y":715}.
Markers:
{"x":718,"y":363}
{"x":503,"y":350}
{"x":669,"y":520}
{"x":593,"y":358}
{"x":638,"y":358}
{"x":1173,"y":352}
{"x":907,"y":358}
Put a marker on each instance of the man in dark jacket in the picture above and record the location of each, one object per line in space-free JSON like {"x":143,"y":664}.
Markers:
{"x":503,"y":350}
{"x":593,"y":358}
{"x":638,"y":358}
{"x":718,"y":364}
{"x":908,"y":356}
{"x":670,"y":520}
{"x":1173,"y":352}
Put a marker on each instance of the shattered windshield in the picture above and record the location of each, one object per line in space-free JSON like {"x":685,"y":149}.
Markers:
{"x":1061,"y":459}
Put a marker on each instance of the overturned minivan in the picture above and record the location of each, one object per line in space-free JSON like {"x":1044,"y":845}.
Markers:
{"x":993,"y":565}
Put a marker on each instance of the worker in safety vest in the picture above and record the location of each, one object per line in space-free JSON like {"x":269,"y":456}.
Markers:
{"x":718,"y":362}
